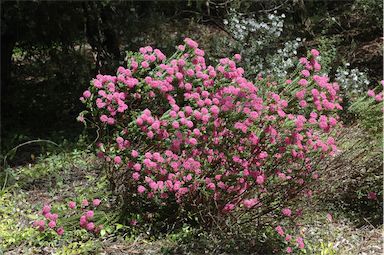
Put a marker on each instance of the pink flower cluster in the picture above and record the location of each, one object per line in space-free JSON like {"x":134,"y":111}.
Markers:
{"x":182,"y":129}
{"x":51,"y":218}
{"x":299,"y":242}
{"x":378,"y":97}
{"x":88,"y":215}
{"x":85,"y":219}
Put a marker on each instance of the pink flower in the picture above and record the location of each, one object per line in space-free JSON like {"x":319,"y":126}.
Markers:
{"x":141,"y":189}
{"x":117,"y":160}
{"x":97,"y":84}
{"x":89,"y":214}
{"x":153,"y":185}
{"x":150,"y":134}
{"x":119,"y":140}
{"x":379,"y":97}
{"x":193,"y":141}
{"x":371,"y":93}
{"x":52,"y":224}
{"x":315,"y":52}
{"x":303,"y":61}
{"x":279,"y":230}
{"x":211,"y":186}
{"x":316,"y":66}
{"x":215,"y":110}
{"x":84,"y":203}
{"x":103,"y":118}
{"x":199,"y":52}
{"x":111,"y":121}
{"x":136,"y":176}
{"x":332,"y":121}
{"x":137,"y":167}
{"x":46,"y":209}
{"x":300,"y":242}
{"x":175,"y":125}
{"x":90,"y":226}
{"x":53,"y":216}
{"x":289,"y":250}
{"x":39,"y":223}
{"x":191,"y":43}
{"x":96,"y":202}
{"x":134,"y":154}
{"x":83,"y":221}
{"x":287,"y":212}
{"x":248,"y":203}
{"x":303,"y":103}
{"x":372,"y":195}
{"x":72,"y":204}
{"x":237,"y":57}
{"x":48,"y":215}
{"x":229,"y":207}
{"x":303,"y":82}
{"x":87,"y":94}
{"x":60,"y":231}
{"x":301,"y":94}
{"x":260,"y":179}
{"x":145,"y":64}
{"x":305,"y":73}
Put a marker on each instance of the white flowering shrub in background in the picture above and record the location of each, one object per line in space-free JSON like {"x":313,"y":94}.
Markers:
{"x":259,"y":41}
{"x":265,"y":49}
{"x":242,"y":27}
{"x":352,"y":80}
{"x":280,"y":62}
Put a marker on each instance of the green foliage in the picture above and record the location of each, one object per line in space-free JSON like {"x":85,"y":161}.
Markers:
{"x":13,"y":230}
{"x":327,"y":47}
{"x":370,"y":115}
{"x":355,"y":171}
{"x":62,"y":177}
{"x":78,"y":248}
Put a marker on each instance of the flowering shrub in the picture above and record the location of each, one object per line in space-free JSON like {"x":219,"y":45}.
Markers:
{"x":352,"y":80}
{"x":180,"y":133}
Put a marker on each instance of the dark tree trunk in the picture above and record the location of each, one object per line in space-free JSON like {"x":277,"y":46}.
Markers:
{"x":8,"y":42}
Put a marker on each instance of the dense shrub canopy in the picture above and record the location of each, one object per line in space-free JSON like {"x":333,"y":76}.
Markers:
{"x":176,"y":130}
